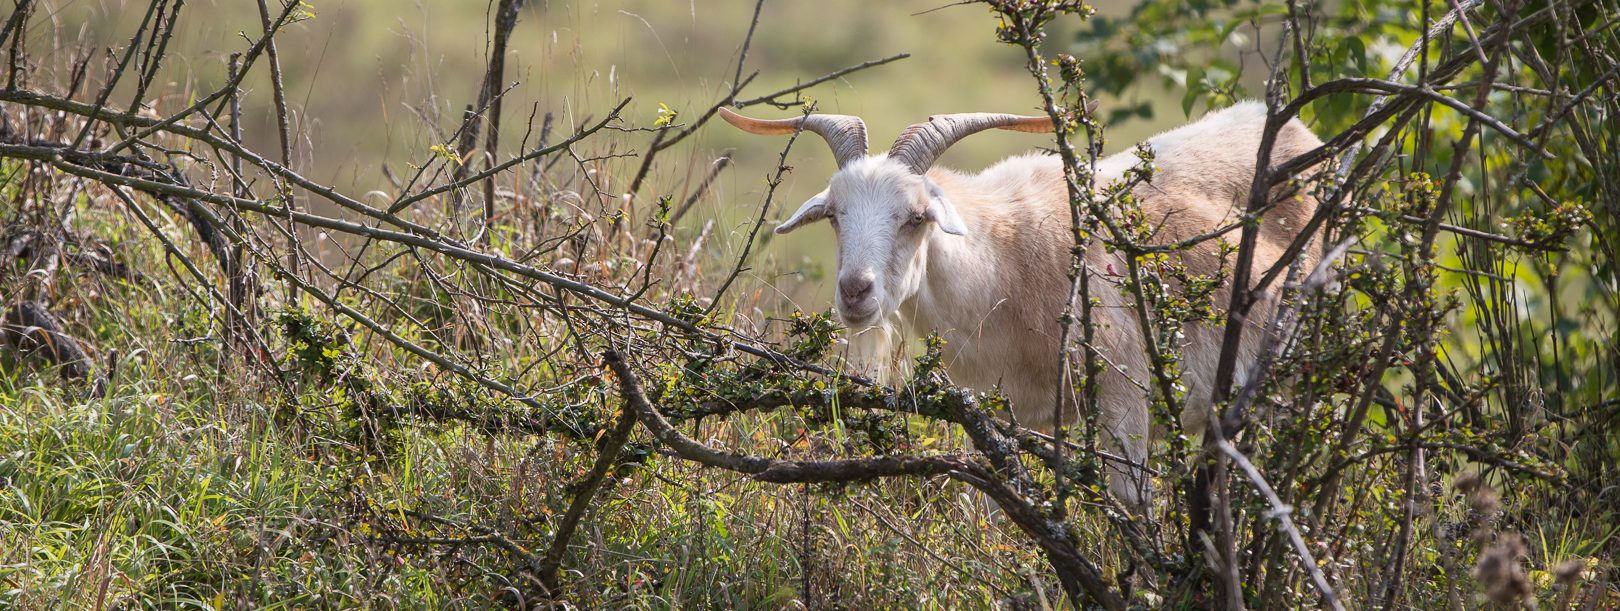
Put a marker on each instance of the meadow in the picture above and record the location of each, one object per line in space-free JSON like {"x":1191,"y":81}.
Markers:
{"x":305,"y":335}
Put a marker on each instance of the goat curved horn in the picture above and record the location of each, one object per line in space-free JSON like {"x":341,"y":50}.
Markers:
{"x":922,"y":144}
{"x":844,"y":133}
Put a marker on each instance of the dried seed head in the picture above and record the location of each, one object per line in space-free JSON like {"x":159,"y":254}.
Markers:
{"x":1467,"y":483}
{"x":1568,"y":571}
{"x":1481,"y":497}
{"x":1501,"y":574}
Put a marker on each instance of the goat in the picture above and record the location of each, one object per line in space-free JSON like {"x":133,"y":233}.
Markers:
{"x":983,"y":259}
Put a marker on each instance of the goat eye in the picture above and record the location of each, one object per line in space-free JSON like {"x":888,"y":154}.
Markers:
{"x":916,"y":218}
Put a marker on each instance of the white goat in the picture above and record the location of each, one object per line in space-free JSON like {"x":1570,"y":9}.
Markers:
{"x":983,"y":259}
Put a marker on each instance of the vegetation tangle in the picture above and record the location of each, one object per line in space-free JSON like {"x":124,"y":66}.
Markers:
{"x":526,"y":371}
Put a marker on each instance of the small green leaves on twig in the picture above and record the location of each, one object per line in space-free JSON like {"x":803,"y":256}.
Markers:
{"x":666,"y":116}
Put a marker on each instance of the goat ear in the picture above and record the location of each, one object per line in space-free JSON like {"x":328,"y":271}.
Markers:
{"x":942,"y":212}
{"x":813,"y":210}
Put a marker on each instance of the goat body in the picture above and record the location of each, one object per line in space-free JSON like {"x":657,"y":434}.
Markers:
{"x":990,"y":271}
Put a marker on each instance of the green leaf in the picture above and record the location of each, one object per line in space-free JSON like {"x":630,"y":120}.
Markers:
{"x":1195,"y":88}
{"x":1356,"y":50}
{"x":666,"y":116}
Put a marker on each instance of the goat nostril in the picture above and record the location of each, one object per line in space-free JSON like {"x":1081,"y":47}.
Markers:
{"x":854,"y":289}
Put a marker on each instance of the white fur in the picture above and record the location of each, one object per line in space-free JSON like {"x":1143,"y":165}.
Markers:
{"x":983,"y":260}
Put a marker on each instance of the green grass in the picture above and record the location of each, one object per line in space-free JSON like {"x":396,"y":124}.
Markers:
{"x":164,"y":497}
{"x":192,"y":485}
{"x":153,"y":493}
{"x":186,"y":487}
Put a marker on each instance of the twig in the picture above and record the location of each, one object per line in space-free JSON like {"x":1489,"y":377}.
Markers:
{"x":1281,"y":512}
{"x":277,"y":89}
{"x":764,"y":208}
{"x":770,"y":98}
{"x":248,"y":58}
{"x":202,"y":279}
{"x":434,"y":243}
{"x":154,"y":60}
{"x":1080,"y":576}
{"x":107,"y":88}
{"x":720,"y":164}
{"x":18,"y":14}
{"x":489,"y":96}
{"x":607,"y":456}
{"x":283,"y":127}
{"x":404,"y":201}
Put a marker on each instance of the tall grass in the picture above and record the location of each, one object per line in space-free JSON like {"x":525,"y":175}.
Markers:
{"x":398,"y":423}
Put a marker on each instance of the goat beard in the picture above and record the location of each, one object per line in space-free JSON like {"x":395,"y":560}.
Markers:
{"x":879,"y":351}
